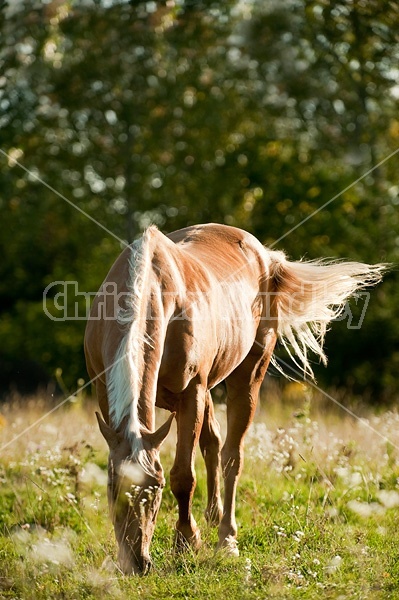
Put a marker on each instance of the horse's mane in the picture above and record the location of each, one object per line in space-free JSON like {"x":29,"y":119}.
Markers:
{"x":124,"y":380}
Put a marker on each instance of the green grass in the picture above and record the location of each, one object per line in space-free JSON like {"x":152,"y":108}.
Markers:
{"x":317,"y":509}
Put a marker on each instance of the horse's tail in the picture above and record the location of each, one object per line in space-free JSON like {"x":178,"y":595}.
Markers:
{"x":307,"y":296}
{"x":125,"y":376}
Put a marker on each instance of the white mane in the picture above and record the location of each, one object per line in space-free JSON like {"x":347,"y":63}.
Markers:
{"x":124,"y":380}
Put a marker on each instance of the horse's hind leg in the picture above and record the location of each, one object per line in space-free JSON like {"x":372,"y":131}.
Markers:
{"x":210,"y":444}
{"x":242,"y":394}
{"x":190,"y":415}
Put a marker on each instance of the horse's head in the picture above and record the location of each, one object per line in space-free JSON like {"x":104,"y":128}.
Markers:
{"x":135,"y":486}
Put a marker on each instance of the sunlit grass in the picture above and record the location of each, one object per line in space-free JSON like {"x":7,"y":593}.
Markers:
{"x":317,"y":509}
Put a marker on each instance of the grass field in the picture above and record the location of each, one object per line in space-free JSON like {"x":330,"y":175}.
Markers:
{"x":317,"y":508}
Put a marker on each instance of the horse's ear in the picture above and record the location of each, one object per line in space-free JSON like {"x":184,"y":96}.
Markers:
{"x":110,"y":435}
{"x":155,"y":438}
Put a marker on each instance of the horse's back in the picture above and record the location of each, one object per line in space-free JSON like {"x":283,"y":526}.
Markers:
{"x":221,"y":249}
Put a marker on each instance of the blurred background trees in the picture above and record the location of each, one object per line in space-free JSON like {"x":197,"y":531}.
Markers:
{"x":250,"y":113}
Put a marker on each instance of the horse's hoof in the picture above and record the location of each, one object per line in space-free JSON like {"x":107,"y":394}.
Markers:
{"x":182,"y":544}
{"x":229,"y":546}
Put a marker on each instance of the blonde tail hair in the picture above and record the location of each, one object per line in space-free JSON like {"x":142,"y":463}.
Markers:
{"x":309,"y":295}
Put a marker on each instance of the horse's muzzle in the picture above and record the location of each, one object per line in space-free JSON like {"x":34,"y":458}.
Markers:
{"x":141,"y":566}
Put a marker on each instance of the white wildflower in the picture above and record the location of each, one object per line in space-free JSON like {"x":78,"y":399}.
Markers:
{"x":365,"y":509}
{"x":332,"y":512}
{"x":55,"y":552}
{"x":71,"y":498}
{"x":248,"y":566}
{"x":297,"y":536}
{"x":355,"y":479}
{"x":92,"y":474}
{"x":389,"y":498}
{"x":132,"y":471}
{"x":334,"y":564}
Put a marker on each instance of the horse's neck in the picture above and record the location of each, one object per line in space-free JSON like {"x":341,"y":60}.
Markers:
{"x":159,"y":310}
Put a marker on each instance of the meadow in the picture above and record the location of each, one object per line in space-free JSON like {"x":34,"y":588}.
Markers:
{"x":317,"y":508}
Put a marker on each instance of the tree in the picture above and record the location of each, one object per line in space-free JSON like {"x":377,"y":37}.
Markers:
{"x":253,"y":114}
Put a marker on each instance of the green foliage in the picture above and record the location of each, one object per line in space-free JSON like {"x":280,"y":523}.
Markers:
{"x":252,"y":114}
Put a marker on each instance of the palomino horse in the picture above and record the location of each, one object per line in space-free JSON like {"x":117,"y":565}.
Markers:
{"x":202,"y":305}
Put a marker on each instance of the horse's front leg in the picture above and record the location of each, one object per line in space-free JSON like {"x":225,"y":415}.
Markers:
{"x":210,"y":444}
{"x":190,"y":416}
